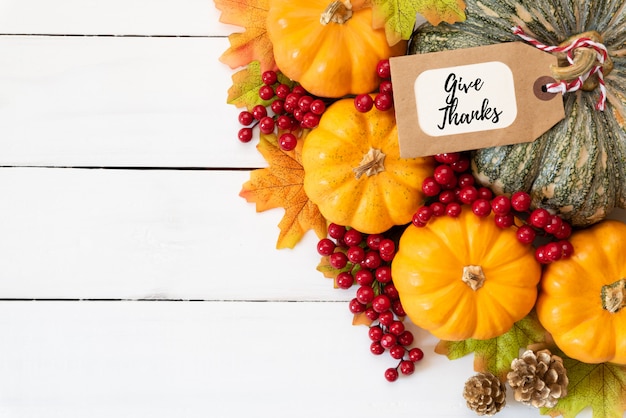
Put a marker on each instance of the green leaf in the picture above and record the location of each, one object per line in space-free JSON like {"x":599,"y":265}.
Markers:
{"x":398,"y":16}
{"x":246,"y":83}
{"x":496,"y":354}
{"x":599,"y":386}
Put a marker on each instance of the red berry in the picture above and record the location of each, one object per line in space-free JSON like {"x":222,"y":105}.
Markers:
{"x":364,"y":277}
{"x":373,"y":241}
{"x":554,"y":224}
{"x":504,"y":221}
{"x":388,"y":340}
{"x":291,"y":102}
{"x":520,"y":201}
{"x":372,"y":260}
{"x":405,"y":339}
{"x":325,"y":247}
{"x":407,"y":367}
{"x":526,"y":234}
{"x":245,"y":118}
{"x":439,"y":209}
{"x":391,"y":291}
{"x":539,"y":218}
{"x":567,"y":249}
{"x":383,"y":69}
{"x":288,"y":141}
{"x":391,"y":374}
{"x":381,"y":303}
{"x":415,"y":220}
{"x":269,"y":77}
{"x":375,"y":333}
{"x":424,"y":213}
{"x":383,"y":101}
{"x":278,"y":107}
{"x":352,"y":237}
{"x":416,"y":354}
{"x":447,"y":196}
{"x":485,"y":193}
{"x":245,"y":134}
{"x":298,"y":114}
{"x":283,"y":122}
{"x":371,"y":314}
{"x":553,"y":251}
{"x":365,"y":294}
{"x":344,"y":280}
{"x":282,"y":90}
{"x":266,"y":92}
{"x":481,"y":207}
{"x":468,"y":194}
{"x":338,"y":260}
{"x":386,"y":318}
{"x":376,"y":348}
{"x":461,"y":165}
{"x":355,"y":254}
{"x":387,"y":246}
{"x":541,"y":255}
{"x":397,"y":308}
{"x":564,"y":232}
{"x":501,"y":205}
{"x":397,"y":352}
{"x":317,"y":106}
{"x":383,"y":275}
{"x":385,"y":87}
{"x":299,"y":90}
{"x":448,"y":158}
{"x":363,"y":102}
{"x":310,"y":120}
{"x":453,"y":209}
{"x":388,"y":257}
{"x":266,"y":125}
{"x":304,"y":103}
{"x":259,"y":112}
{"x":430,"y":187}
{"x":466,"y":179}
{"x":356,"y":306}
{"x":336,"y":231}
{"x":444,"y":174}
{"x":396,"y":328}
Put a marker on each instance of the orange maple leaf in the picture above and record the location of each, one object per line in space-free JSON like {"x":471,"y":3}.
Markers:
{"x":253,"y":43}
{"x":281,"y":185}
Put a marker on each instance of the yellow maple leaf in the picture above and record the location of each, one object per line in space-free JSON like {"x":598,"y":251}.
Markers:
{"x":252,"y":44}
{"x":281,"y":185}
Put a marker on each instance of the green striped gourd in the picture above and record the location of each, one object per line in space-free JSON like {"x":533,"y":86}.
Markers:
{"x":577,"y":168}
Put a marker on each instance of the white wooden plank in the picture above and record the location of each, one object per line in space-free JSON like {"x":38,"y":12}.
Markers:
{"x":117,"y":17}
{"x":69,"y":233}
{"x":213,"y":359}
{"x":118,"y":102}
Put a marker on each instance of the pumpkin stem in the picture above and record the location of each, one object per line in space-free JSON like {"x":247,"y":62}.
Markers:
{"x":614,"y":296}
{"x":584,"y":60}
{"x":372,"y":163}
{"x":337,"y":12}
{"x":473,"y":276}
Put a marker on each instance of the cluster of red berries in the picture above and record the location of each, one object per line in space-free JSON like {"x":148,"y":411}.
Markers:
{"x":289,"y":110}
{"x":365,"y":260}
{"x":452,"y":185}
{"x":383,"y":100}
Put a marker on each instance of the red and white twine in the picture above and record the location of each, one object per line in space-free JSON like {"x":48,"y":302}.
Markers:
{"x":565,"y":86}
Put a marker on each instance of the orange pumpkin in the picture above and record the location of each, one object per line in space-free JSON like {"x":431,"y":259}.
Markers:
{"x":581,"y":299}
{"x":464,"y":277}
{"x":353,"y":171}
{"x":330,"y":47}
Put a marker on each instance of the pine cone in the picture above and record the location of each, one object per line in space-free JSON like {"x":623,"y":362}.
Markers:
{"x":485,"y":394}
{"x":538,"y":378}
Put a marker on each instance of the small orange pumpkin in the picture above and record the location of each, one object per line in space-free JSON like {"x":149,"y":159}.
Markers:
{"x":582,"y":299}
{"x":465,"y":277}
{"x":330,"y":47}
{"x":353,"y":171}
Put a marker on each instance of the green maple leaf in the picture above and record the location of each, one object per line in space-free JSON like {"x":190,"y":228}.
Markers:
{"x":496,"y":354}
{"x":245,"y":89}
{"x":398,"y":16}
{"x":599,"y":386}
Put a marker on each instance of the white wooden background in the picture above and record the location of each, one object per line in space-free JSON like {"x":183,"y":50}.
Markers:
{"x":135,"y":282}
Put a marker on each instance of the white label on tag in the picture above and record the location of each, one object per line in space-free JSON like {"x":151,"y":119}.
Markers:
{"x":465,"y":98}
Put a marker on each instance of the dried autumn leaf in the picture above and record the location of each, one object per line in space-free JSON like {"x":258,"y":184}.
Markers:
{"x":397,"y":17}
{"x":253,"y":43}
{"x":437,"y":11}
{"x":599,"y":386}
{"x":496,"y":354}
{"x":281,"y":185}
{"x":245,"y":89}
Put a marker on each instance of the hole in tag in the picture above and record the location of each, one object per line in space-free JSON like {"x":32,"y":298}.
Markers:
{"x":540,"y":90}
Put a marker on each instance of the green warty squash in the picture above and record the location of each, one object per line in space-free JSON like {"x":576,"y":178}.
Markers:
{"x":577,"y":168}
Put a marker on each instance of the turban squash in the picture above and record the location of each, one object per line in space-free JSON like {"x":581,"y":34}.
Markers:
{"x":578,"y":167}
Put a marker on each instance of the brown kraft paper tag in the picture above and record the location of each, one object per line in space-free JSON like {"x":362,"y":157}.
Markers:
{"x":473,"y":98}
